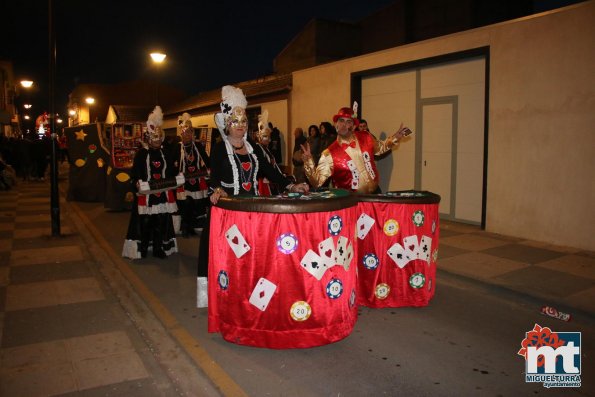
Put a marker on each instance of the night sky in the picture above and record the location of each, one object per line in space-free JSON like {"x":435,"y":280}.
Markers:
{"x":208,"y":43}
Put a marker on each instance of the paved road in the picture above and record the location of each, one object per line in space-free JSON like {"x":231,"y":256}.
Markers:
{"x":464,"y":343}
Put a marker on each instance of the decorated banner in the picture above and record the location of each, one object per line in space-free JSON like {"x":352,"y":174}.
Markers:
{"x":89,"y":159}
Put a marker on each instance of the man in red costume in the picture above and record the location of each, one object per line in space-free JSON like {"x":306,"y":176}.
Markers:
{"x":349,"y":161}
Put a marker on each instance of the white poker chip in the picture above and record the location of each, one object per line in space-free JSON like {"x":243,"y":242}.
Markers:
{"x":418,"y":218}
{"x":287,"y":243}
{"x":370,"y":261}
{"x":334,"y":288}
{"x":391,"y":227}
{"x":352,"y":298}
{"x":223,"y":280}
{"x":382,"y":290}
{"x":300,"y":311}
{"x":417,"y":280}
{"x":335,"y":224}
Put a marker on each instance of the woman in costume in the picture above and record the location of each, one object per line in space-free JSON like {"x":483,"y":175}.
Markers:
{"x":237,"y":168}
{"x":193,"y":162}
{"x":151,"y":219}
{"x":266,"y":187}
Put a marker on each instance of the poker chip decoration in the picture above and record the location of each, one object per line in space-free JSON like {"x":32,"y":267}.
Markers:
{"x":382,"y":290}
{"x":300,"y":311}
{"x":352,"y":298}
{"x":433,"y":226}
{"x":335,"y":224}
{"x":418,"y":218}
{"x":287,"y":243}
{"x":417,"y":280}
{"x":391,"y":227}
{"x":223,"y":280}
{"x":334,"y":288}
{"x":370,"y":261}
{"x":435,"y":255}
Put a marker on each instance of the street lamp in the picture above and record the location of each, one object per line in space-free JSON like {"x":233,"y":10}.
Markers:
{"x":158,"y":58}
{"x":90,"y":100}
{"x":26,"y":83}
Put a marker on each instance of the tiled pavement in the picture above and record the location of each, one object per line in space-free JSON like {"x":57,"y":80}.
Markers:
{"x":561,"y":277}
{"x":62,"y":330}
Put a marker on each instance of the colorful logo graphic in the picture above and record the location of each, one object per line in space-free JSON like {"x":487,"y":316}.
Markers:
{"x":552,"y":358}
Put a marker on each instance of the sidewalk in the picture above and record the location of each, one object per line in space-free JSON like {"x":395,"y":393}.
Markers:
{"x":561,"y":277}
{"x":62,"y":329}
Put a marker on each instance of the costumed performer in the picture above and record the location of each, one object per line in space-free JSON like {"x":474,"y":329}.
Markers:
{"x":151,"y":218}
{"x":238,"y":166}
{"x":349,"y":160}
{"x":192,"y":161}
{"x":266,"y":187}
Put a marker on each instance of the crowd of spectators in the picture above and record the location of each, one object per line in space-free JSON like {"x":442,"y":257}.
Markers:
{"x":26,"y":158}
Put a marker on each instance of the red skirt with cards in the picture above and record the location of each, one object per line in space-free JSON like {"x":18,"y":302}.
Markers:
{"x":397,"y":238}
{"x":285,"y":278}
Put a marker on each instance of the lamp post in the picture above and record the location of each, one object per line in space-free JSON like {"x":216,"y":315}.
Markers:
{"x":158,"y":58}
{"x":54,"y":195}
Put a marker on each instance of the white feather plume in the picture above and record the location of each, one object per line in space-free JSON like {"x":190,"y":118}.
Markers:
{"x":155,"y":119}
{"x":232,"y":97}
{"x":263,"y":120}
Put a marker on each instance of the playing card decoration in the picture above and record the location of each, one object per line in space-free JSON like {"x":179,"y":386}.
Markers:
{"x":411,"y":250}
{"x":364,"y":224}
{"x":313,"y":264}
{"x":262,"y":293}
{"x":326,"y":250}
{"x":236,"y":241}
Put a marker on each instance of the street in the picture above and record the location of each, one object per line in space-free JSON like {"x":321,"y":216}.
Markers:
{"x":464,"y":343}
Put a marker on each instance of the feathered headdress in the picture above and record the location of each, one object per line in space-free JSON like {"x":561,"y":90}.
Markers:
{"x":184,"y":123}
{"x":154,"y":123}
{"x":231,"y":98}
{"x":263,"y":121}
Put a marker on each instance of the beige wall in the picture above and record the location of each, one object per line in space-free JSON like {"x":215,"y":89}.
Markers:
{"x":541,"y":147}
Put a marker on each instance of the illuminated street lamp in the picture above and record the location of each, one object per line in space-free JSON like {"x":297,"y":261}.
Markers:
{"x":26,"y":117}
{"x":158,"y":58}
{"x":90,"y":100}
{"x":27,"y":106}
{"x":26,"y":83}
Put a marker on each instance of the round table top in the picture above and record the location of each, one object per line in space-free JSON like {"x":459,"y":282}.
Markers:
{"x":401,"y":197}
{"x":319,"y":201}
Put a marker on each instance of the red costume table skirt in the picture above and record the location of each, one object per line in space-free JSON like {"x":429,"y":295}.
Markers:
{"x":397,"y":238}
{"x":282,"y":271}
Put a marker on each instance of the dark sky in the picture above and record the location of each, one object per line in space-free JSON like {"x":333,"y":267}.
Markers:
{"x":208,"y":43}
